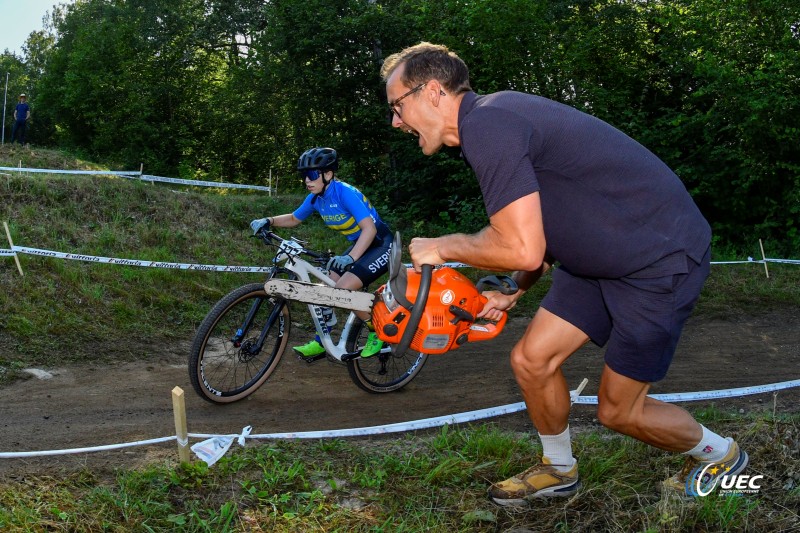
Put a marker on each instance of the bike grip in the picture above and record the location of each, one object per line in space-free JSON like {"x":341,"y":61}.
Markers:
{"x":484,"y":332}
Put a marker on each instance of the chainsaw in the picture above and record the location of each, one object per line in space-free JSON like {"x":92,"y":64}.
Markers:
{"x":431,"y":312}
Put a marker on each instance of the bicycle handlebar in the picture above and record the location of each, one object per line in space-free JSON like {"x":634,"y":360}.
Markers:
{"x":273,"y":239}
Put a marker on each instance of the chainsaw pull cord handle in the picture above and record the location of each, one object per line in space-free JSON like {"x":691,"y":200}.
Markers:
{"x":417,"y":309}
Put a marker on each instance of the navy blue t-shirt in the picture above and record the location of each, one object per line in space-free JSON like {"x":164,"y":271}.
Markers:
{"x":610,"y":207}
{"x":22,"y":111}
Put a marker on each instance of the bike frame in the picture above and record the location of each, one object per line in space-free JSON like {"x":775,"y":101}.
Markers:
{"x":289,"y":254}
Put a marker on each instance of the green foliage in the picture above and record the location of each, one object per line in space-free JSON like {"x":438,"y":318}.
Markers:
{"x":234,"y":90}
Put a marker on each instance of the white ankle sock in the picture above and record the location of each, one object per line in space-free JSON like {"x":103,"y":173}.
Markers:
{"x":711,"y":448}
{"x":558,"y":449}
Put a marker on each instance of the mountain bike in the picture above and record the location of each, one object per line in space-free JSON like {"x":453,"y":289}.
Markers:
{"x":241,"y":341}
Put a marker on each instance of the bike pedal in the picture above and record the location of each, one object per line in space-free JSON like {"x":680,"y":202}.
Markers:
{"x":312,"y":359}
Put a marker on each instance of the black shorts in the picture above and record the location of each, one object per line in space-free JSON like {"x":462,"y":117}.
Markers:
{"x":640,"y":317}
{"x":374,"y":263}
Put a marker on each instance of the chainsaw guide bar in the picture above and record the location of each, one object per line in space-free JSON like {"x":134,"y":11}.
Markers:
{"x":312,"y":293}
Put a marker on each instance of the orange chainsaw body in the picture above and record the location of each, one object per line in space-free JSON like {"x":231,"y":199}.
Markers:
{"x":448,"y":320}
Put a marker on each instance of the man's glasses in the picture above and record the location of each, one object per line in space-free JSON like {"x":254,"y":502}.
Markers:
{"x":312,"y":175}
{"x":394,"y":108}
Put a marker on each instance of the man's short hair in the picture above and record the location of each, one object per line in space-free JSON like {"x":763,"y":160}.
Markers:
{"x":424,"y":62}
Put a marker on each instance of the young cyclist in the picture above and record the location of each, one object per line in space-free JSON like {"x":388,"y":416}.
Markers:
{"x":346,"y":210}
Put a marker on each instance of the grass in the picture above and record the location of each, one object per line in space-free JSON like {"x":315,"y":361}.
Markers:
{"x":434,"y":481}
{"x":70,"y":302}
{"x":430,"y":481}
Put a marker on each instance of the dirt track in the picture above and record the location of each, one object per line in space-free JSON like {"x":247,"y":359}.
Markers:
{"x":92,"y":405}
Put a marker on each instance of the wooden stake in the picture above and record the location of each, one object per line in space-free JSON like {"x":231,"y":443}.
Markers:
{"x":11,"y":245}
{"x":764,"y":257}
{"x":179,"y":410}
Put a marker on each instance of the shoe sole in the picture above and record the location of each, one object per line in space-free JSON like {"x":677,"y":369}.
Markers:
{"x":555,"y":492}
{"x":744,"y":460}
{"x":309,"y":358}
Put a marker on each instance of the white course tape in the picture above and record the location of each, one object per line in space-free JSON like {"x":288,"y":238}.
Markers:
{"x":137,"y":262}
{"x":123,"y":173}
{"x":787,"y":261}
{"x":223,"y":268}
{"x":425,"y":423}
{"x":198,"y":183}
{"x":718,"y":394}
{"x":9,"y":455}
{"x":139,"y":176}
{"x":471,"y":416}
{"x":749,"y":260}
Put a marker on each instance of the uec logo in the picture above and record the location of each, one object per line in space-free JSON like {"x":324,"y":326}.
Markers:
{"x":702,"y":482}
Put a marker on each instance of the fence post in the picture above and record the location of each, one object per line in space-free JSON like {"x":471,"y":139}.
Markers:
{"x":179,"y":410}
{"x":764,"y":258}
{"x":11,"y":245}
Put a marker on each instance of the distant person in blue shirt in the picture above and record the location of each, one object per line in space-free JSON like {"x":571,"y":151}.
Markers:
{"x":22,"y":114}
{"x":346,"y":210}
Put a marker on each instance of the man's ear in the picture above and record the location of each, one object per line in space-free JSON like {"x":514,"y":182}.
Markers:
{"x":436,"y":91}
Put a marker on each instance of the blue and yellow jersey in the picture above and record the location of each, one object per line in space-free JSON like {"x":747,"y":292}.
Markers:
{"x":342,"y":206}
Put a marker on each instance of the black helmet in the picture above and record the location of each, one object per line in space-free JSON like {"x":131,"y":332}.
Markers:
{"x":318,"y":159}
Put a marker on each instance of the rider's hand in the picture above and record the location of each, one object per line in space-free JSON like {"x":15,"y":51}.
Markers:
{"x":498,"y":302}
{"x":258,"y":224}
{"x":340,"y":262}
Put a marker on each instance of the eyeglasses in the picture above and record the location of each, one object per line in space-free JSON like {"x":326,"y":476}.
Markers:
{"x":394,"y":108}
{"x":312,"y":175}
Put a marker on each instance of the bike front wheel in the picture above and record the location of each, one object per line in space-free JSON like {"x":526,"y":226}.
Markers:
{"x":239,"y":344}
{"x":382,"y":372}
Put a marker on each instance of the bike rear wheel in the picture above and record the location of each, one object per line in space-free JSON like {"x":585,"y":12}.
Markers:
{"x":239,"y":344}
{"x":382,"y":372}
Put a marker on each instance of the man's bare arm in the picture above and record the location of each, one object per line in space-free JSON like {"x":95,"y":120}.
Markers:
{"x":513,"y":240}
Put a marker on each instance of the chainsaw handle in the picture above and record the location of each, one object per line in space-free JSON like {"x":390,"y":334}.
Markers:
{"x":484,"y":332}
{"x":417,"y":309}
{"x":501,"y":284}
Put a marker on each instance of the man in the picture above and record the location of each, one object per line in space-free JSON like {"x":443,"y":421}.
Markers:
{"x":22,"y":113}
{"x":634,"y":251}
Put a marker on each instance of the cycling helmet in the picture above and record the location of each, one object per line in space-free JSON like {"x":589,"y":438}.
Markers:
{"x":318,"y":159}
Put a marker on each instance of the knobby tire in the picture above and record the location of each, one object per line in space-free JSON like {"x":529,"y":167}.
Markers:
{"x":224,"y":368}
{"x":382,"y":372}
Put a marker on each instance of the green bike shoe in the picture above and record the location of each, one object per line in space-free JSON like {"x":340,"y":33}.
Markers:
{"x":311,"y":349}
{"x":373,"y":346}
